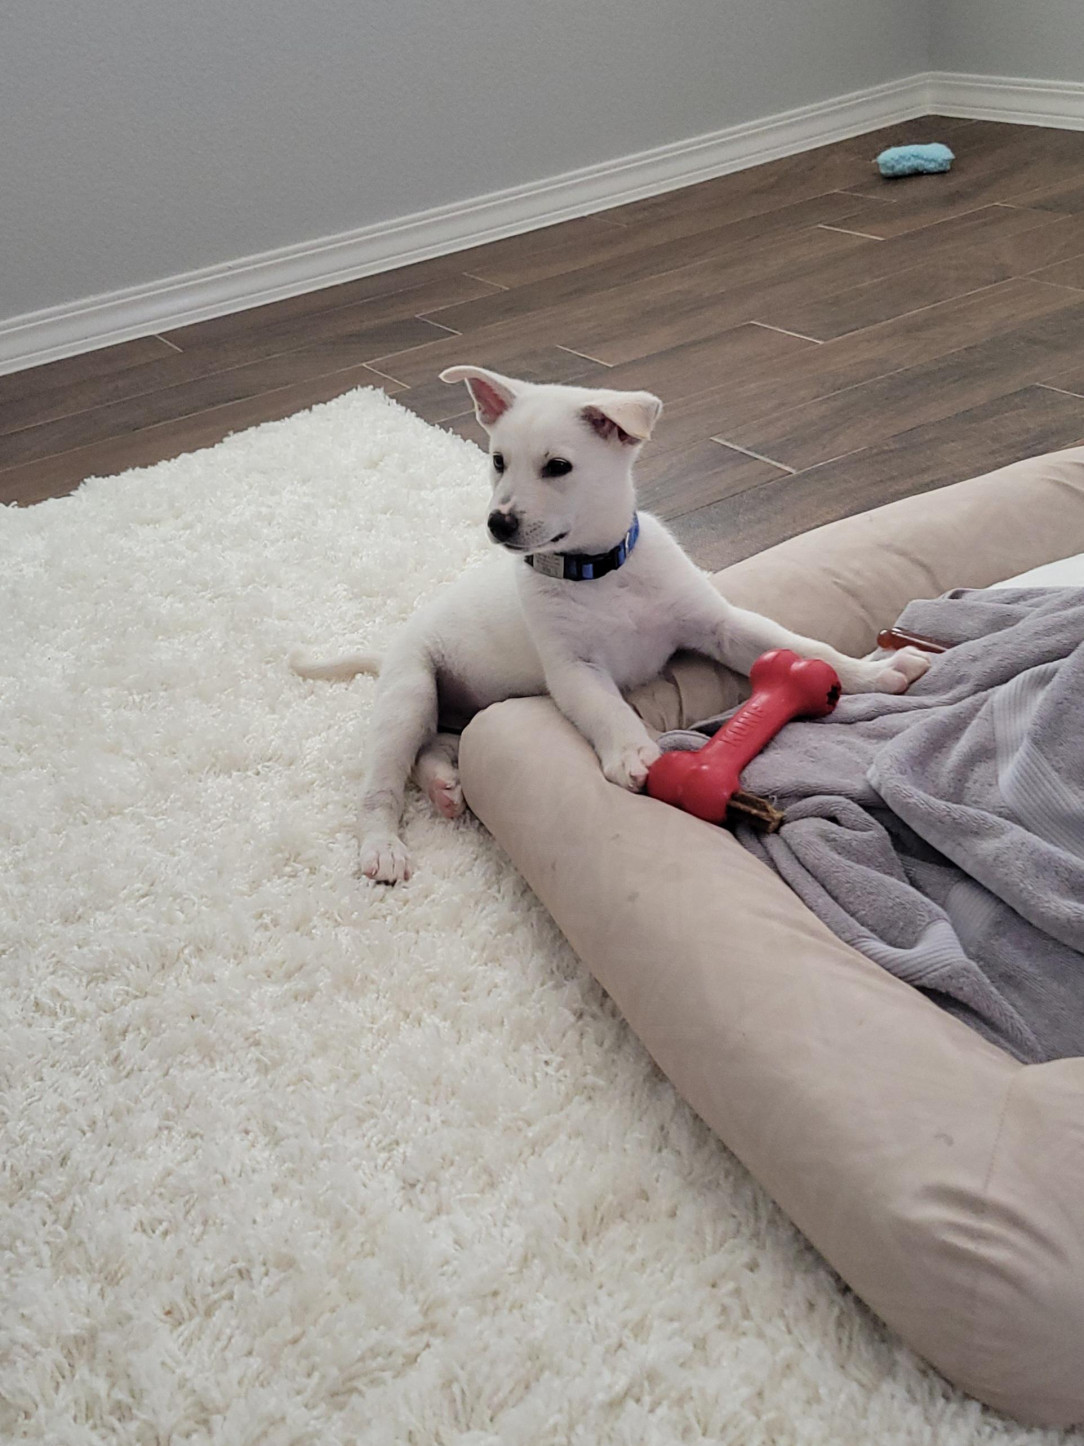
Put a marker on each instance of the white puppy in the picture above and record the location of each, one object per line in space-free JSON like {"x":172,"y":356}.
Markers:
{"x":586,"y":600}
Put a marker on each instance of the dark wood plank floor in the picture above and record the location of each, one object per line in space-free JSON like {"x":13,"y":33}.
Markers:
{"x":824,"y":340}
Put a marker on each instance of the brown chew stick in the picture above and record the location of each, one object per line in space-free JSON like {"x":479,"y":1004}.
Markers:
{"x":758,"y":811}
{"x":900,"y":638}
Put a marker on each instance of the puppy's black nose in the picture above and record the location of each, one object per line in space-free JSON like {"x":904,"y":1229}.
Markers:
{"x":503,"y":526}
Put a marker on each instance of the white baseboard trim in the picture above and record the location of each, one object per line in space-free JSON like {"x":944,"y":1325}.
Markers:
{"x":1006,"y":98}
{"x":98,"y":321}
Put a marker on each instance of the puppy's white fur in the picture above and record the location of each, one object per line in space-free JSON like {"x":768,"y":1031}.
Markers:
{"x":506,"y":630}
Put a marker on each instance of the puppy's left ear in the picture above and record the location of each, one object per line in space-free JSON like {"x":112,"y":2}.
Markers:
{"x":627,"y":417}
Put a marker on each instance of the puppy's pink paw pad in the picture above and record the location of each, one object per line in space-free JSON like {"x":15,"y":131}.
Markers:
{"x":446,"y":796}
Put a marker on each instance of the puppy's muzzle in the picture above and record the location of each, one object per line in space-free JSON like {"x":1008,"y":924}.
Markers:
{"x":503,"y":526}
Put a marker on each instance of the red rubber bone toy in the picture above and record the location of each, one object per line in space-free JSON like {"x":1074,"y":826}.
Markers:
{"x":705,"y":783}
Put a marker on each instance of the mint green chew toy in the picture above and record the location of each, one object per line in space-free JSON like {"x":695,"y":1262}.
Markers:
{"x":911,"y":160}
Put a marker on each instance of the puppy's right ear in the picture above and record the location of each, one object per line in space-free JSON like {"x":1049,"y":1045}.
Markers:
{"x":491,"y":393}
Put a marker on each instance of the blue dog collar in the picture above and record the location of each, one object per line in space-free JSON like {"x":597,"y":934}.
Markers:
{"x":585,"y":566}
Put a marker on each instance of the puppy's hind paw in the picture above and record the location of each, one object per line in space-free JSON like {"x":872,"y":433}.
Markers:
{"x":384,"y":859}
{"x":446,"y":796}
{"x":627,"y":767}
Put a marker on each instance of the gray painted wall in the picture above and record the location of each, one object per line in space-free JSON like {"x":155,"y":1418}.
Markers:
{"x":1038,"y":39}
{"x":144,"y":138}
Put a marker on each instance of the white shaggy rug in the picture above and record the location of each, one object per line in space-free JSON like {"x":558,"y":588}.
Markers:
{"x":288,"y":1159}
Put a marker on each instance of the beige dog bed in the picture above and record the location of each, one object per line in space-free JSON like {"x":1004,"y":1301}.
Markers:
{"x":943,"y":1180}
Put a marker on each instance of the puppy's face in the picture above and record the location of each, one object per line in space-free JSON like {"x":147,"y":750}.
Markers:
{"x":561,"y":460}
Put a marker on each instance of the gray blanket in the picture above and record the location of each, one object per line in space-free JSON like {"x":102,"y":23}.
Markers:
{"x":942,"y":832}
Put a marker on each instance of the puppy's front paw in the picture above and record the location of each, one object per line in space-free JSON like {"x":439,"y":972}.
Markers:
{"x":893,"y":674}
{"x":627,"y":767}
{"x":908,"y":664}
{"x":384,"y":859}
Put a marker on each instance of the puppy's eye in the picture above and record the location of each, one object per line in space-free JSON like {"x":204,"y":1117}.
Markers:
{"x":498,"y":461}
{"x":557,"y":467}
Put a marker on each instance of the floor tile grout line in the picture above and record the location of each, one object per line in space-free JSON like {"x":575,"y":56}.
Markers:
{"x":173,"y":344}
{"x":1061,"y":391}
{"x":846,"y":231}
{"x":970,"y":210}
{"x":1054,"y":285}
{"x":767,"y":326}
{"x":759,"y":456}
{"x":386,"y":375}
{"x":497,"y":285}
{"x":573,"y":352}
{"x":861,"y":196}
